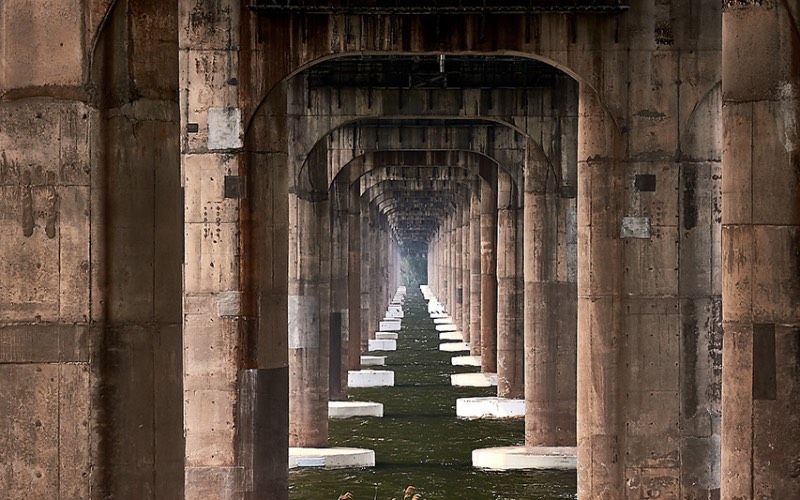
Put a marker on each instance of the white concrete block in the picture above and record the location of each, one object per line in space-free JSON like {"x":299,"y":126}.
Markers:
{"x":449,"y":327}
{"x":373,"y":360}
{"x":451,"y":336}
{"x":490,"y":407}
{"x":224,"y":128}
{"x":347,"y":409}
{"x":454,"y":346}
{"x":473,"y":379}
{"x":370,"y":378}
{"x":521,"y":457}
{"x":389,"y":326}
{"x":331,"y":458}
{"x":382,"y":345}
{"x":438,"y":315}
{"x":386,"y":335}
{"x":435,"y":307}
{"x":394,"y":312}
{"x":635,"y":227}
{"x":466,"y":361}
{"x":442,"y":320}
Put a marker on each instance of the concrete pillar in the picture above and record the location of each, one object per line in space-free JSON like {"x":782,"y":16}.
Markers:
{"x":475,"y":270}
{"x":760,"y":263}
{"x":339,"y":304}
{"x":308,"y":333}
{"x":458,"y":259}
{"x":600,"y":318}
{"x":451,"y":260}
{"x":550,"y":313}
{"x":367,"y":274}
{"x":466,"y":272}
{"x":355,"y":347}
{"x":488,"y":278}
{"x":235,"y":374}
{"x":509,"y":336}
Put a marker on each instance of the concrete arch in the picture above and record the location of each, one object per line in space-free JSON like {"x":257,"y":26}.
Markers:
{"x":344,"y":144}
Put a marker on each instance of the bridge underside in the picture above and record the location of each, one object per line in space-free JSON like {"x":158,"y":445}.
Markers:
{"x":208,"y":205}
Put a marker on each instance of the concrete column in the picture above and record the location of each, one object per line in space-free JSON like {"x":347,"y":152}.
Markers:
{"x":600,"y":317}
{"x":466,"y":275}
{"x":355,"y":348}
{"x":550,"y":313}
{"x":339,"y":305}
{"x":451,"y":260}
{"x":308,"y":333}
{"x":488,"y":278}
{"x":760,"y":248}
{"x":458,"y":259}
{"x":367,"y":274}
{"x":509,"y":336}
{"x":475,"y":270}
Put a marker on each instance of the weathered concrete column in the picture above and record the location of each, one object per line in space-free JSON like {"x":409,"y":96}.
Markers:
{"x":308,"y":334}
{"x":509,"y":333}
{"x":760,"y":248}
{"x":367,"y":274}
{"x":451,"y":261}
{"x":488,"y":278}
{"x":550,"y":313}
{"x":600,"y":315}
{"x":458,"y":260}
{"x":466,"y":272}
{"x":355,"y":347}
{"x":339,"y":304}
{"x":475,"y":270}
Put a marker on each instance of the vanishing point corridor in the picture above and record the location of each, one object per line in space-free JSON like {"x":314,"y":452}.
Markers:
{"x":217,"y":216}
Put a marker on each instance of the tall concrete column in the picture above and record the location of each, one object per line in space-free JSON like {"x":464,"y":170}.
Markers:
{"x":451,"y":259}
{"x":308,"y":333}
{"x":475,"y":270}
{"x":488,"y":278}
{"x":339,"y":305}
{"x":355,"y":347}
{"x":458,"y":258}
{"x":550,"y":313}
{"x":466,"y":277}
{"x":509,"y":335}
{"x":760,"y":250}
{"x":600,"y":317}
{"x":367,"y":273}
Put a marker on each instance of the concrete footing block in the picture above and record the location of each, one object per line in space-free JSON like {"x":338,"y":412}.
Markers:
{"x":446,"y":327}
{"x":331,"y":458}
{"x":473,"y":379}
{"x":466,"y":361}
{"x":375,"y":360}
{"x":389,"y":326}
{"x":451,"y":336}
{"x":382,"y":345}
{"x":438,"y":315}
{"x":443,"y":320}
{"x":454,"y":347}
{"x":370,"y":378}
{"x":347,"y":409}
{"x":522,"y":457}
{"x":386,"y":335}
{"x":490,"y":408}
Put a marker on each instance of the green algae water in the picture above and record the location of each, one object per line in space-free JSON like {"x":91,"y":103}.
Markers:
{"x":419,"y":441}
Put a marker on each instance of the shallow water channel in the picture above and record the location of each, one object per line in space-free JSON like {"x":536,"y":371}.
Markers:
{"x":419,"y":441}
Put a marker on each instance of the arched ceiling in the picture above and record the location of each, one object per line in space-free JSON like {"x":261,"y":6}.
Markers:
{"x":418,"y":169}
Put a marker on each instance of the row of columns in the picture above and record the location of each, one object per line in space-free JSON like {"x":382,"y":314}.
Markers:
{"x":343,"y":262}
{"x":518,"y":309}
